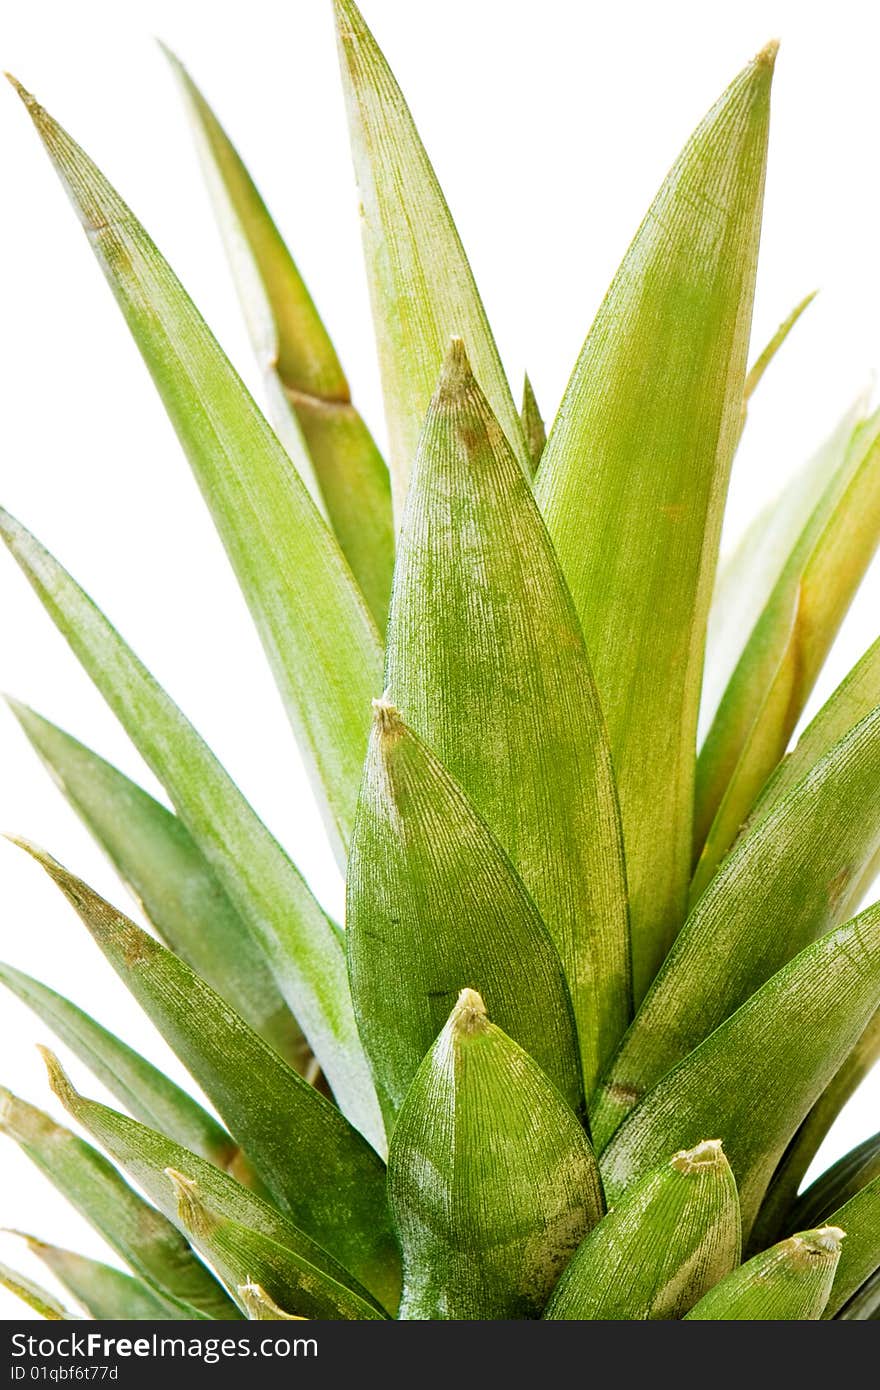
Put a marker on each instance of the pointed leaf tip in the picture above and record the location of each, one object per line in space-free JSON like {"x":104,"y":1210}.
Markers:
{"x":191,"y":1209}
{"x":709,"y":1153}
{"x":767,"y":56}
{"x":469,"y":1015}
{"x":387,"y":717}
{"x":59,"y":1081}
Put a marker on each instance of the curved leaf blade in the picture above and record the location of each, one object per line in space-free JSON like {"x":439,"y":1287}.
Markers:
{"x":483,"y":636}
{"x":774,"y":1216}
{"x":641,"y":449}
{"x":514,"y":1184}
{"x":747,"y":577}
{"x":532,"y":422}
{"x":786,"y":650}
{"x":36,"y":1298}
{"x":755,"y":1078}
{"x":860,"y":1258}
{"x":790,"y":1282}
{"x":782,"y":886}
{"x":158,"y":860}
{"x":209,"y":1206}
{"x":291,"y":1134}
{"x":104,"y":1292}
{"x":319,"y":639}
{"x":144,"y":1091}
{"x":766,"y":356}
{"x":834,"y":1189}
{"x":139,"y":1234}
{"x":434,"y":905}
{"x":303,"y":372}
{"x":300,"y":945}
{"x":421,"y":285}
{"x":671,"y":1237}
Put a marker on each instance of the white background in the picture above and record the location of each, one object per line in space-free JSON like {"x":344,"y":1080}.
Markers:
{"x":550,"y":127}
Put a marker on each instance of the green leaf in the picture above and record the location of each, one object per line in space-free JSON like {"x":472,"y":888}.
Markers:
{"x":483,"y":637}
{"x":763,"y":360}
{"x":670,"y":1238}
{"x":532,"y":423}
{"x":302,"y":371}
{"x":319,"y":639}
{"x":105,"y":1293}
{"x":157,"y":858}
{"x":421,"y":285}
{"x":865,"y":1303}
{"x":288,"y":926}
{"x":857,"y":696}
{"x":755,"y":1078}
{"x":242,"y":1254}
{"x":260,"y":1307}
{"x":774,"y":1217}
{"x":291,"y":1134}
{"x":860,"y":1218}
{"x":225,"y":1221}
{"x":513,"y":1184}
{"x":144,"y":1091}
{"x":786,"y":650}
{"x":633,"y":480}
{"x":748,"y":576}
{"x":140,"y":1235}
{"x":30,"y":1293}
{"x":434,"y":905}
{"x":834,"y":1188}
{"x":788,"y":1283}
{"x":782,"y":886}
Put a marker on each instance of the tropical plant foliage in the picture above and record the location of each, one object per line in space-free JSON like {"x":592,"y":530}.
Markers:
{"x":597,"y":999}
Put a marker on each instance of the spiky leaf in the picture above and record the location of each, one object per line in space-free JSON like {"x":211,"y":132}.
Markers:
{"x":747,"y":576}
{"x":144,"y":1091}
{"x":293,"y":1136}
{"x":157,"y":858}
{"x":782,"y":886}
{"x":483,"y":636}
{"x":435,"y":905}
{"x":208,"y":1205}
{"x":633,"y":480}
{"x":788,"y":1283}
{"x":300,"y":944}
{"x":513,"y":1183}
{"x":306,"y":382}
{"x":104,"y":1292}
{"x":139,"y":1234}
{"x":755,"y":1078}
{"x":319,"y":639}
{"x":786,"y":650}
{"x":421,"y":285}
{"x":532,"y":423}
{"x":36,"y":1298}
{"x":670,"y":1238}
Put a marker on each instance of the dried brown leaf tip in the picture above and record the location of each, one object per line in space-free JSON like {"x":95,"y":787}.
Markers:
{"x":469,"y":1015}
{"x":709,"y":1153}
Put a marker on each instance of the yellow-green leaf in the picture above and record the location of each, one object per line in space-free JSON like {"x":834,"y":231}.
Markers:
{"x":217,"y":1214}
{"x":291,"y":1134}
{"x":755,"y":1078}
{"x":491,"y":1179}
{"x":667,"y":1241}
{"x":158,"y":860}
{"x":487,"y":664}
{"x":434,"y":905}
{"x":104,"y":1292}
{"x":782,"y":886}
{"x":786,"y":650}
{"x":299,"y":943}
{"x":421,"y":285}
{"x":788,"y":1283}
{"x":633,"y":480}
{"x":322,"y":431}
{"x":139,"y":1234}
{"x":320,"y":641}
